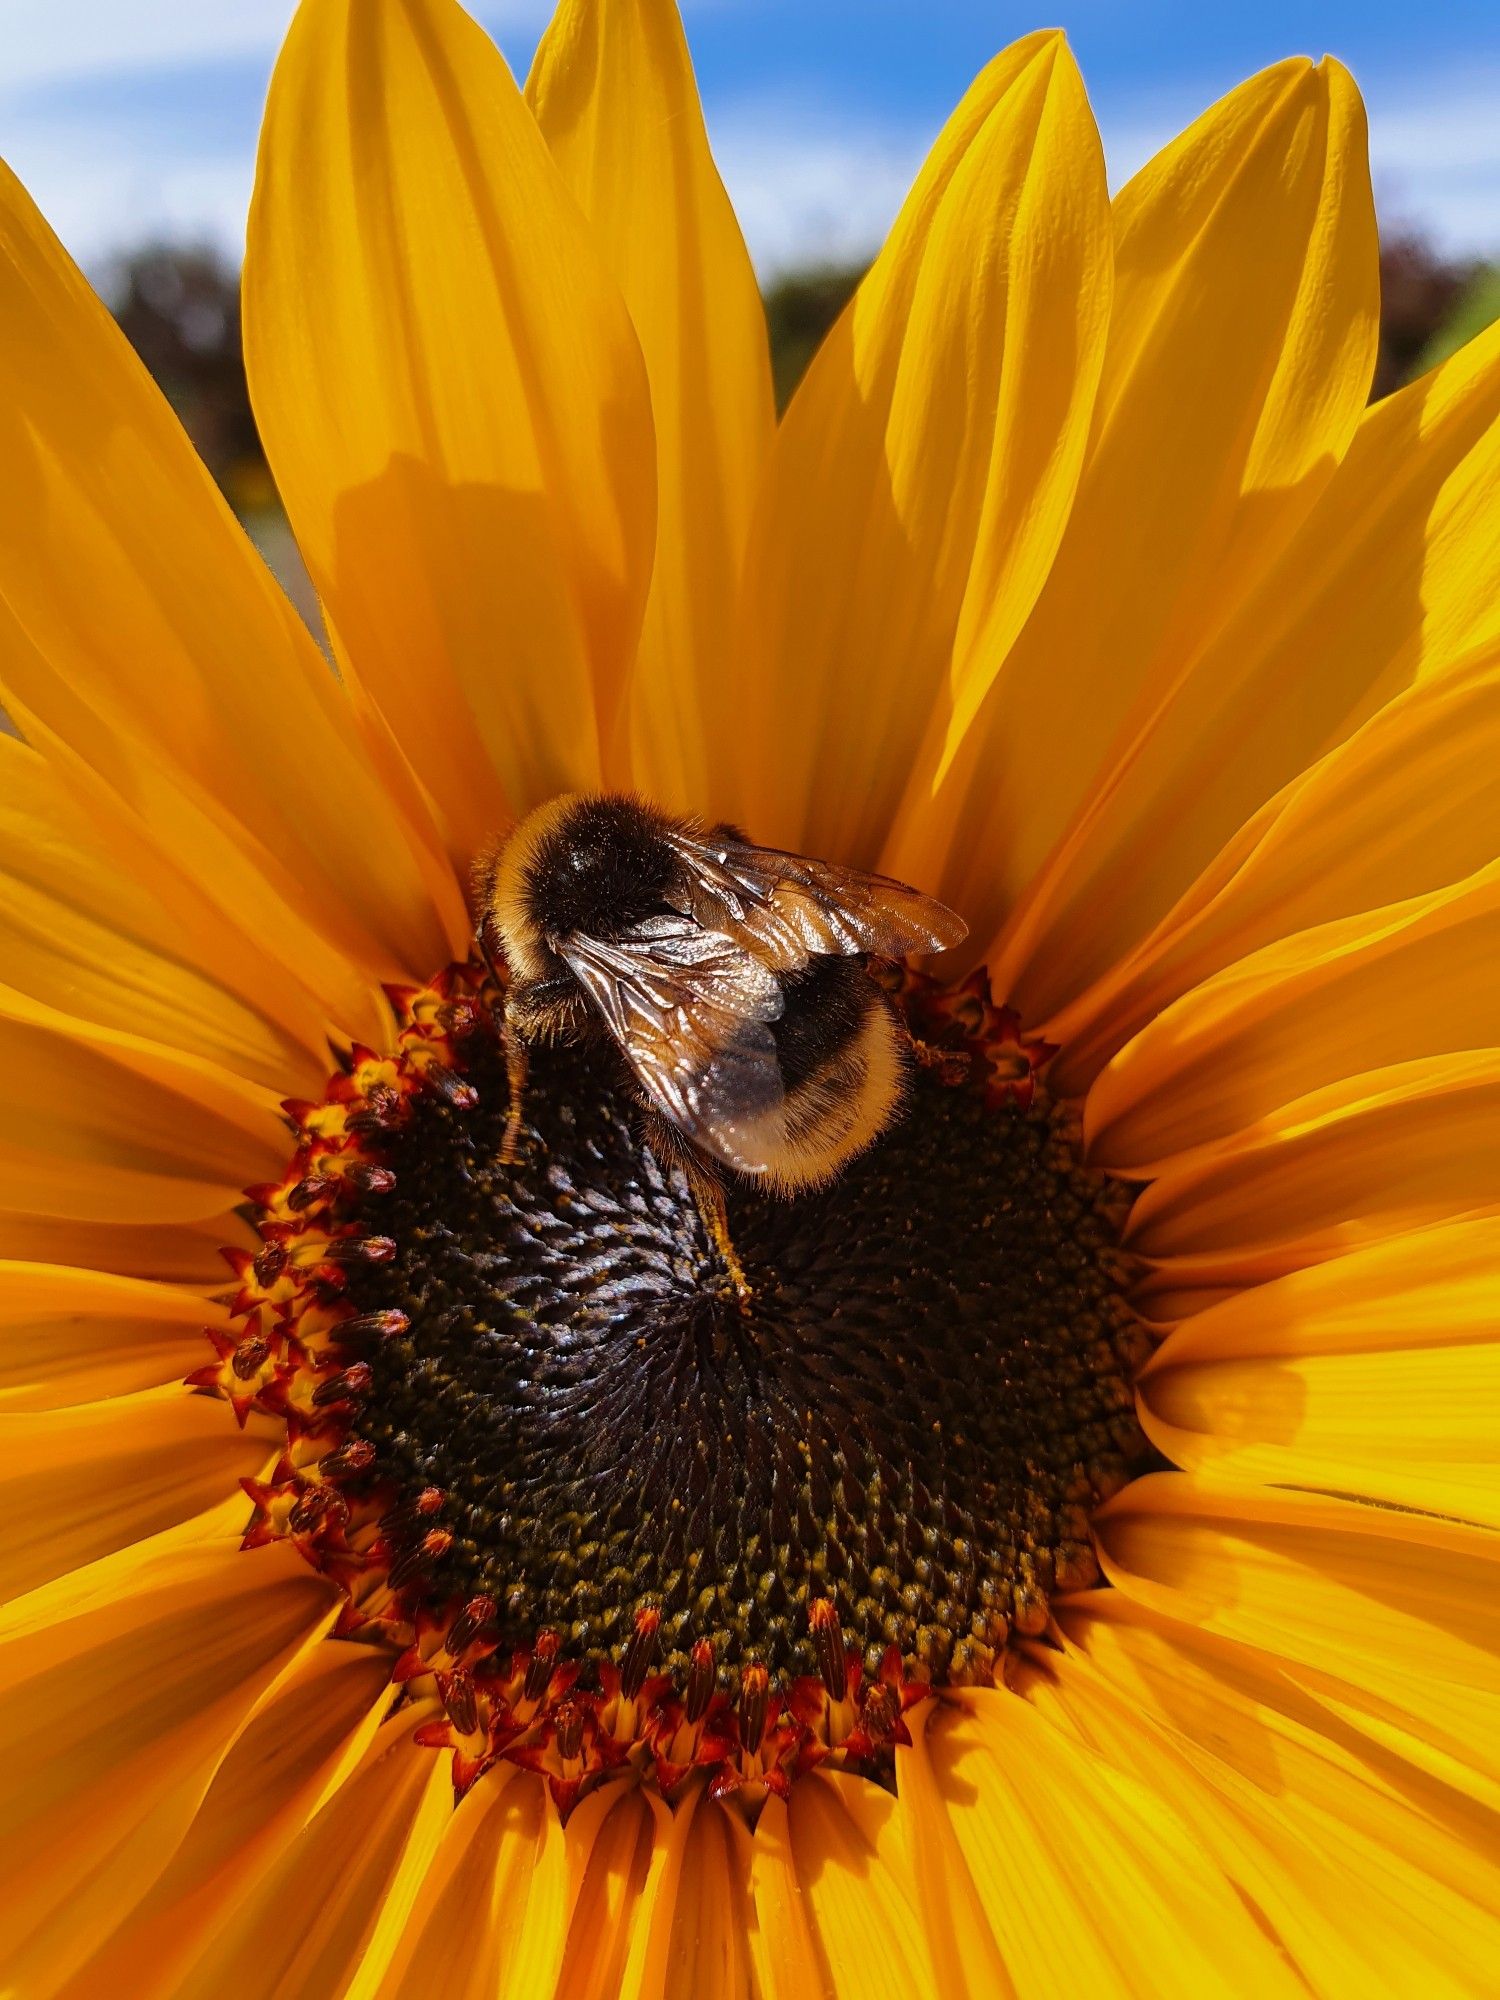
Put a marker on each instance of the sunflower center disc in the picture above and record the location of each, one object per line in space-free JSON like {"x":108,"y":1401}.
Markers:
{"x":927,"y":1393}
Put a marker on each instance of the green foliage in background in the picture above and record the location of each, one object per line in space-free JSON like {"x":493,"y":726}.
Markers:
{"x":1478,"y":307}
{"x":800,"y":308}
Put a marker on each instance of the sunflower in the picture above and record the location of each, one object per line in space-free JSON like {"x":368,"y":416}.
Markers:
{"x":1074,"y":1571}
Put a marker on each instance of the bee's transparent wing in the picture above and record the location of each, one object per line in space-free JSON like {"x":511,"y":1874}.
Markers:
{"x":787,"y":908}
{"x":689,"y":1009}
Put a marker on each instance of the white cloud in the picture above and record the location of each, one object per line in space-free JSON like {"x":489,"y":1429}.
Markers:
{"x":1435,"y":156}
{"x":47,"y":40}
{"x":103,"y":200}
{"x":1453,"y":129}
{"x":43,"y":41}
{"x":810,"y":188}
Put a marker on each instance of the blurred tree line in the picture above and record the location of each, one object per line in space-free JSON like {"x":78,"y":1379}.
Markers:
{"x":180,"y":309}
{"x":1429,"y":305}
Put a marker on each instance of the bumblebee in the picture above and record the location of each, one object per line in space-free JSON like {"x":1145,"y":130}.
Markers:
{"x":732,"y":978}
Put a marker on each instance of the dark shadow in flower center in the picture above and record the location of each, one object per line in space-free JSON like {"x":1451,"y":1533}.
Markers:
{"x":926,"y":1395}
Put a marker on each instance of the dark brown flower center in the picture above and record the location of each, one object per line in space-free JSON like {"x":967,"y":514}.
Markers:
{"x":927,"y":1393}
{"x":608,"y":1516}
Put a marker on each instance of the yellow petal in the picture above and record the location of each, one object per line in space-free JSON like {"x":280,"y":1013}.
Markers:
{"x":649,"y":1962}
{"x":1055,"y":1839}
{"x":1421,"y":1290}
{"x":1299,"y":1015}
{"x":94,"y":922}
{"x":1412,"y":1430}
{"x":1352,"y":1164}
{"x":1376,"y":1375}
{"x":104,"y":1124}
{"x":1239,"y":357}
{"x":922,"y":476}
{"x":1372,"y":1879}
{"x":74,"y":1336}
{"x":1394,"y":575}
{"x":123,"y":1689}
{"x":1406,"y":805}
{"x":492,"y":1915}
{"x":613,"y":91}
{"x":709,"y":1947}
{"x":216,"y":1532}
{"x":961,"y":1932}
{"x":781,"y":1946}
{"x":330,"y":1905}
{"x":141,"y":632}
{"x":612,"y":1838}
{"x":1432,"y":451}
{"x":857,"y":1887}
{"x":1392,"y":1614}
{"x":179,"y":1253}
{"x":77,"y":1484}
{"x":452,"y":400}
{"x":261,"y":1796}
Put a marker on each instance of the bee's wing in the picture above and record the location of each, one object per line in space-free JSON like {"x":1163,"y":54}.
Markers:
{"x":788,"y":908}
{"x":688,"y":1008}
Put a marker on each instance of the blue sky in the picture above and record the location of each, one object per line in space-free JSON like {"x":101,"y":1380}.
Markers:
{"x":132,"y":117}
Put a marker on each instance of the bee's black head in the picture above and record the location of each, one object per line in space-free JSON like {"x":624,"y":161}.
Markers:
{"x":600,"y":868}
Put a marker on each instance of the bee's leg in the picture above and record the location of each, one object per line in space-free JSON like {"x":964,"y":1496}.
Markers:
{"x":949,"y":1065}
{"x":708,"y":1193}
{"x":672,"y":1150}
{"x":516,"y":1065}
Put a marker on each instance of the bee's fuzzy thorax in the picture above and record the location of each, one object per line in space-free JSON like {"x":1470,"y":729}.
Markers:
{"x":731,"y":977}
{"x":599,"y":865}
